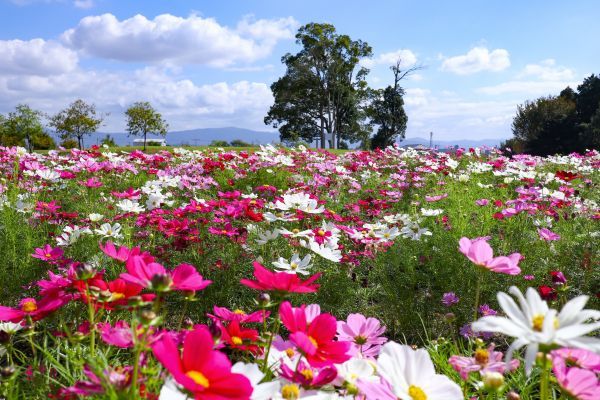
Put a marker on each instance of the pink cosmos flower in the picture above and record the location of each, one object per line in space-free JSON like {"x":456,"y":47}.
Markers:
{"x":480,"y":253}
{"x":439,"y":197}
{"x":280,"y":281}
{"x":547,"y":235}
{"x":203,"y":371}
{"x":92,"y":183}
{"x":484,"y":360}
{"x":580,"y":384}
{"x":576,"y":357}
{"x":238,"y":315}
{"x":482,"y":202}
{"x":123,"y":253}
{"x":365,"y":334}
{"x":117,"y":379}
{"x":48,"y":253}
{"x":314,"y":339}
{"x":307,"y":376}
{"x":120,"y":335}
{"x":32,"y":308}
{"x":155,"y":276}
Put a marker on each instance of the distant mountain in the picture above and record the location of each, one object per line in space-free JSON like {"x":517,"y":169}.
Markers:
{"x":465,"y":143}
{"x":193,"y":137}
{"x":204,"y":136}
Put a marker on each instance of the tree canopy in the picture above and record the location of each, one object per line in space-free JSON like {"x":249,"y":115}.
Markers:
{"x":143,"y":119}
{"x":23,"y":126}
{"x":76,"y":121}
{"x":321,"y":93}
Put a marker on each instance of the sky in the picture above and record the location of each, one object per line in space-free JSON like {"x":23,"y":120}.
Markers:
{"x":210,"y":63}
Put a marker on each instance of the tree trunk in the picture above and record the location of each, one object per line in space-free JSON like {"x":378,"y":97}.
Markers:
{"x":144,"y":141}
{"x":322,"y":132}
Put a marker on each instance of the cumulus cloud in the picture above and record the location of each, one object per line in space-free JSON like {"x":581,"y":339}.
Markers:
{"x":184,"y":103}
{"x":35,"y":57}
{"x":408,"y":58}
{"x":547,"y":70}
{"x":478,"y":59}
{"x":168,"y":38}
{"x":528,"y":88}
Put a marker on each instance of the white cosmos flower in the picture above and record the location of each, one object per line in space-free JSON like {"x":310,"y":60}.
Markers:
{"x":325,"y":250}
{"x":533,"y":323}
{"x":387,"y":233}
{"x":295,"y":265}
{"x":10,"y":327}
{"x":127,"y":205}
{"x":296,"y":233}
{"x":264,"y":237}
{"x":109,"y":231}
{"x":94,"y":217}
{"x":354,"y":369}
{"x":47,"y":174}
{"x":431,"y":212}
{"x":270,"y":217}
{"x":262,"y":391}
{"x":299,"y":201}
{"x":411,"y":374}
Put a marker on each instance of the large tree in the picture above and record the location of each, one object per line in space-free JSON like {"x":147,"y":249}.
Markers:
{"x":321,"y":94}
{"x":387,"y":109}
{"x":24,"y":125}
{"x":143,"y":119}
{"x":76,"y":121}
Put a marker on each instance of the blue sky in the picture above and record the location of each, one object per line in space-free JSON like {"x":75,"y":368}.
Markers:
{"x":210,"y":63}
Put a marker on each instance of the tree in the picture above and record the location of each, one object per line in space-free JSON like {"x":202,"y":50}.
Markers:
{"x":23,"y":124}
{"x":143,"y":119}
{"x":588,"y":98}
{"x":109,"y":141}
{"x":322,"y":90}
{"x":76,"y":121}
{"x":387,"y":110}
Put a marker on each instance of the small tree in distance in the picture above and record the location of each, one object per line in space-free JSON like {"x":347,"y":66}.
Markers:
{"x":25,"y":124}
{"x":143,"y":119}
{"x":76,"y":121}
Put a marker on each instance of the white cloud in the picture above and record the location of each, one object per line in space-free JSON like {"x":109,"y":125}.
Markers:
{"x":408,"y":58}
{"x":35,"y":57}
{"x":476,"y":60}
{"x":84,"y":4}
{"x":184,"y":103}
{"x":168,"y":38}
{"x":528,"y":88}
{"x":547,"y":70}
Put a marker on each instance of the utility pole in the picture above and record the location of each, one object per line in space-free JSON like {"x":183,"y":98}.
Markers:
{"x":430,"y":140}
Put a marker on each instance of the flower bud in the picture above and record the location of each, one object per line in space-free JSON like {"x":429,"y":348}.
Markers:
{"x":7,"y":371}
{"x":84,"y":271}
{"x":147,"y":317}
{"x":161,"y":282}
{"x":215,"y":331}
{"x":512,"y":395}
{"x":492,"y":381}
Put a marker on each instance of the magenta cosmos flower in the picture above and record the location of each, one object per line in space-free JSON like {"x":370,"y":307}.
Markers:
{"x":578,"y":383}
{"x":547,"y":235}
{"x":365,"y":334}
{"x":48,"y":253}
{"x":484,"y":360}
{"x":203,"y":371}
{"x":155,"y":276}
{"x":480,"y":253}
{"x":29,"y":307}
{"x":268,"y":281}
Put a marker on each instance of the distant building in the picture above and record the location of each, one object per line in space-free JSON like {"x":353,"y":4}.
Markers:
{"x":150,"y":142}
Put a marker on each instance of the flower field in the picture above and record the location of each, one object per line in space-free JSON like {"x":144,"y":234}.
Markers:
{"x":294,"y":273}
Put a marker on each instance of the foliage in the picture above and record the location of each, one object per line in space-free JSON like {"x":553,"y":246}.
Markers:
{"x":23,"y":125}
{"x":322,"y":90}
{"x":219,"y":143}
{"x":239,"y":143}
{"x":108,"y":141}
{"x":142,"y":119}
{"x":76,"y":121}
{"x":560,"y":124}
{"x":43,"y":141}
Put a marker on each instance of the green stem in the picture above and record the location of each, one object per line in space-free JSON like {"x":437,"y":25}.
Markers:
{"x":269,"y":343}
{"x":30,"y":337}
{"x":91,"y":317}
{"x":544,"y":379}
{"x":136,"y":368}
{"x":477,"y":294}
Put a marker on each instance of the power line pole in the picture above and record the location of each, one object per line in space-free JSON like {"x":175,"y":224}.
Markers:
{"x":430,"y":140}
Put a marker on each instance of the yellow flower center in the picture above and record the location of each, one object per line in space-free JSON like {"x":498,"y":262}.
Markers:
{"x":252,"y":202}
{"x":360,"y":339}
{"x":48,"y":255}
{"x":296,"y":230}
{"x":307,"y":373}
{"x":199,"y":378}
{"x":116,"y":296}
{"x":313,"y":341}
{"x":321,"y":232}
{"x":290,"y":352}
{"x":236,"y":340}
{"x":29,"y":306}
{"x":538,"y":322}
{"x":239,"y":312}
{"x":290,"y":392}
{"x":386,"y":235}
{"x":482,"y":356}
{"x":224,"y":232}
{"x":416,"y":393}
{"x":293,"y":265}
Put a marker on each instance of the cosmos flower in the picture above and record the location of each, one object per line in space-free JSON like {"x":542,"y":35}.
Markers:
{"x":268,"y":281}
{"x":534,"y":324}
{"x":481,"y":254}
{"x":296,"y":265}
{"x":365,"y":334}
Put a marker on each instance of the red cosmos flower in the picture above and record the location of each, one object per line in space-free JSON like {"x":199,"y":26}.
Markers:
{"x":566,"y":176}
{"x":32,"y":308}
{"x":547,"y":293}
{"x":155,"y":276}
{"x":238,"y":315}
{"x":114,"y":293}
{"x":49,"y":208}
{"x":280,"y":281}
{"x":315,"y":339}
{"x":48,"y":253}
{"x":202,"y":370}
{"x":130,"y":193}
{"x":307,"y":376}
{"x":240,"y":338}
